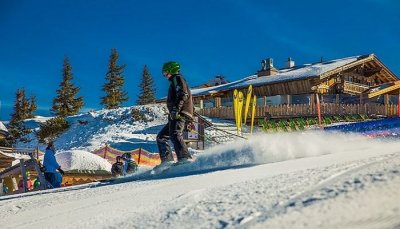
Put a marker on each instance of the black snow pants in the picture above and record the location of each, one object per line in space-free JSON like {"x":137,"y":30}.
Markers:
{"x":172,"y":131}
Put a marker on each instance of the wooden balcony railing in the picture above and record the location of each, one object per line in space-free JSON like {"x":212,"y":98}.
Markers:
{"x":306,"y":110}
{"x":354,"y":88}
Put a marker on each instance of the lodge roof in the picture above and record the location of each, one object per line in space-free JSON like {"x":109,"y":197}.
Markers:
{"x":3,"y":130}
{"x":3,"y":127}
{"x":319,"y":70}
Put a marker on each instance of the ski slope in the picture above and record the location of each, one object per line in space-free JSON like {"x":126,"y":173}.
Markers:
{"x":290,"y":180}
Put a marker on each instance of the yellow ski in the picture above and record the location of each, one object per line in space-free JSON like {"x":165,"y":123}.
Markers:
{"x":240,"y":111}
{"x":248,"y":98}
{"x":235,"y":104}
{"x":253,"y":113}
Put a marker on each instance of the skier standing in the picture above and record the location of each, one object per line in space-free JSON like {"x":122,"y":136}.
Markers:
{"x":180,"y":107}
{"x":51,"y":166}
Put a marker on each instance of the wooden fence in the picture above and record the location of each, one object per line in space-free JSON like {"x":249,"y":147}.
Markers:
{"x":307,"y":110}
{"x":141,"y":156}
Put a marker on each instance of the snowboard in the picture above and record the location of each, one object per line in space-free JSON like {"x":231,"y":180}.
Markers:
{"x":162,"y":169}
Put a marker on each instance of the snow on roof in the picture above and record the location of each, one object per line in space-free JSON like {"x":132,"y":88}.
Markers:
{"x":297,"y":73}
{"x":15,"y":155}
{"x":81,"y":160}
{"x":3,"y":127}
{"x":223,"y":87}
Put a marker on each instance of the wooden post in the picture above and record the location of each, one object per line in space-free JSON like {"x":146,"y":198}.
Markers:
{"x":201,"y":104}
{"x":337,"y":98}
{"x":386,"y":101}
{"x":312,"y":101}
{"x":319,"y":110}
{"x":23,"y":173}
{"x":39,"y":173}
{"x":217,"y":102}
{"x":398,"y":105}
{"x":289,"y":99}
{"x":105,"y":151}
{"x":140,"y":153}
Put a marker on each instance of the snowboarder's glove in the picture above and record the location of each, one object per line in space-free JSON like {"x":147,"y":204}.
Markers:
{"x":61,"y":171}
{"x":174,"y":115}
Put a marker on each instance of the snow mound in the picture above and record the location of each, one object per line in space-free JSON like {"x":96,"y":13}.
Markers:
{"x":81,"y":160}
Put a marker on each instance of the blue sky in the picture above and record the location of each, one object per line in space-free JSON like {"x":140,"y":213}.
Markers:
{"x":207,"y":37}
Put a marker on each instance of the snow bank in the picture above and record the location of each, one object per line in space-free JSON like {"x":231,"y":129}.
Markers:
{"x":81,"y":160}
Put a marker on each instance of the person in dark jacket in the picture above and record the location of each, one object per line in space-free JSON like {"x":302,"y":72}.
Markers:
{"x":130,"y":166}
{"x":180,"y":107}
{"x":51,"y":166}
{"x":117,"y":168}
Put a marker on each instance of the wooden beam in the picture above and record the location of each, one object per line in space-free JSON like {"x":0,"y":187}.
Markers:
{"x":23,"y":173}
{"x":385,"y":90}
{"x":345,"y":67}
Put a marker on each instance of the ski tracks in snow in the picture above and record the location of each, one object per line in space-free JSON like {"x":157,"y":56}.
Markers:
{"x":377,"y":172}
{"x":254,"y":202}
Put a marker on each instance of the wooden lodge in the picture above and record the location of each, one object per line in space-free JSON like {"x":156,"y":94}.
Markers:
{"x":352,"y":85}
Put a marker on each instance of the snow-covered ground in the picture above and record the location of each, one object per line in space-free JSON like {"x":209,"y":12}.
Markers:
{"x":288,"y":180}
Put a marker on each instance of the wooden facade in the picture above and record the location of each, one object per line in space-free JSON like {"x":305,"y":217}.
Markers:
{"x":364,"y":77}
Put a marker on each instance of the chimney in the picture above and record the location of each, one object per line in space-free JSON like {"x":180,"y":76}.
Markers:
{"x":267,"y":68}
{"x":290,"y":63}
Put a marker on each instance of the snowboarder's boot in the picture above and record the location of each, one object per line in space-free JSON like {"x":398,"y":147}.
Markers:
{"x":161,"y":167}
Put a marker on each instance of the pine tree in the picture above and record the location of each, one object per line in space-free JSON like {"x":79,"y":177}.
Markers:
{"x":147,"y":88}
{"x":32,"y":107}
{"x":51,"y":129}
{"x":23,"y":109}
{"x":66,"y":103}
{"x":115,"y":95}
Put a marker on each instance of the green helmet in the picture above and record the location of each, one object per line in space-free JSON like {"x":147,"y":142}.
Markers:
{"x":171,"y":67}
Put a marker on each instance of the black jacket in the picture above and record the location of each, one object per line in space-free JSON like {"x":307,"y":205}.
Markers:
{"x":117,"y":168}
{"x":179,"y":96}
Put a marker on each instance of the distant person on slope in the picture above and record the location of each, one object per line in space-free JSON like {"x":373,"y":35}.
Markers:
{"x":117,"y":168}
{"x":130,"y":166}
{"x":51,"y":166}
{"x":29,"y":183}
{"x":180,"y":107}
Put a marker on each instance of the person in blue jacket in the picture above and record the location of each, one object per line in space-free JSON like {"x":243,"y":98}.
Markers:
{"x":51,"y":166}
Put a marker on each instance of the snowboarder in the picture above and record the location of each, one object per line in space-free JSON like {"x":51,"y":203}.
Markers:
{"x":180,"y":107}
{"x":51,"y":166}
{"x":118,"y":167}
{"x":130,"y":166}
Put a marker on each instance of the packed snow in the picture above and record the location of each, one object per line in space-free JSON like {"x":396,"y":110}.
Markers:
{"x":310,"y":179}
{"x":82,"y":160}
